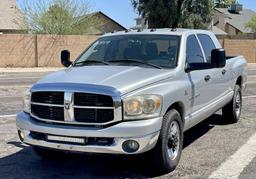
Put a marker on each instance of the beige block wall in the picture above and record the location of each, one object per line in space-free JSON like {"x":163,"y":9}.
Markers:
{"x":44,"y":50}
{"x":17,"y":50}
{"x":247,"y":48}
{"x":49,"y":48}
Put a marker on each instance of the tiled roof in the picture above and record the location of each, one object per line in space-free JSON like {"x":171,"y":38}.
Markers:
{"x":218,"y":31}
{"x":240,"y":20}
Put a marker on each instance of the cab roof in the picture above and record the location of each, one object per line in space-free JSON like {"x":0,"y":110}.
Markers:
{"x":166,"y":31}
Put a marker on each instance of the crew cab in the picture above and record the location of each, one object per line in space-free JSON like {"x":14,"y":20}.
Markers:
{"x":133,"y":92}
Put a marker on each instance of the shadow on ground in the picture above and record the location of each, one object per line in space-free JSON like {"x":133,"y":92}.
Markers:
{"x":26,"y":164}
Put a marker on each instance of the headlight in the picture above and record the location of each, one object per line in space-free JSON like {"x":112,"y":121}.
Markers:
{"x":143,"y":106}
{"x":26,"y":101}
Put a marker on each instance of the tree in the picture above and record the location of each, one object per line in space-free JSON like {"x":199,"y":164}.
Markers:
{"x":60,"y":17}
{"x":175,"y":13}
{"x":224,"y":3}
{"x":198,"y":15}
{"x":252,"y":24}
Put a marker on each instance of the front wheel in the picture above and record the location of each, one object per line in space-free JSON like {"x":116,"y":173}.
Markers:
{"x":166,"y":154}
{"x":232,"y":111}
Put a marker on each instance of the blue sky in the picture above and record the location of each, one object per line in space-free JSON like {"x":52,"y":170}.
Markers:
{"x":123,"y":12}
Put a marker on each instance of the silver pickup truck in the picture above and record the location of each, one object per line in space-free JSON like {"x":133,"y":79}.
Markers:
{"x":133,"y":92}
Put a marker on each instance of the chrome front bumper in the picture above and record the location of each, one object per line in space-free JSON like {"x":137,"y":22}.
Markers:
{"x":145,"y":132}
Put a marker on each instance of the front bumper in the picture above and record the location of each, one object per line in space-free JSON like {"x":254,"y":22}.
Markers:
{"x":145,"y":132}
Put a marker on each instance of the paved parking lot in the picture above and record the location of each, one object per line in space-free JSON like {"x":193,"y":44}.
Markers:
{"x":211,"y":149}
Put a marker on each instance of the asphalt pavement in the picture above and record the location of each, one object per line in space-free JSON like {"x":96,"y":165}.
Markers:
{"x":213,"y":149}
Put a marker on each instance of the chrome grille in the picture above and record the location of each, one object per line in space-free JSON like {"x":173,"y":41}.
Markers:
{"x":85,"y":99}
{"x":93,"y":115}
{"x":48,"y":112}
{"x":48,"y":97}
{"x":73,"y":107}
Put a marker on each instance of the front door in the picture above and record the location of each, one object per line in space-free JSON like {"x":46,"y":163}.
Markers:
{"x":202,"y":86}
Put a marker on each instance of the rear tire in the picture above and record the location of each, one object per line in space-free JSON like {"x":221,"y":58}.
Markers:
{"x":232,"y":111}
{"x":166,"y":155}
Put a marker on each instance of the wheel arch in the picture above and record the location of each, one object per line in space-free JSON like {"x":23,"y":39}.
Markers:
{"x":239,"y":81}
{"x":179,"y":106}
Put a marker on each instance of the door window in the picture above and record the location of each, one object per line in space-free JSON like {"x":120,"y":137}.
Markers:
{"x":207,"y":45}
{"x":194,"y":52}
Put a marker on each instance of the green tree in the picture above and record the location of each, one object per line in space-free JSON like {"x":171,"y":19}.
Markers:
{"x":224,"y":3}
{"x":252,"y":24}
{"x":59,"y":17}
{"x":175,"y":13}
{"x":197,"y":16}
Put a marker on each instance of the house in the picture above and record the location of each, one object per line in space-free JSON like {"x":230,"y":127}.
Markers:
{"x":233,"y":20}
{"x":217,"y":31}
{"x":9,"y":17}
{"x":106,"y":24}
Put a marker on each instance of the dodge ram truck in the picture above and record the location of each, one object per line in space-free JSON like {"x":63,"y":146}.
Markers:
{"x":133,"y":92}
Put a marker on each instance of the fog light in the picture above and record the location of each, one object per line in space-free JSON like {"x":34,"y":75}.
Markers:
{"x":130,"y":146}
{"x":21,"y":135}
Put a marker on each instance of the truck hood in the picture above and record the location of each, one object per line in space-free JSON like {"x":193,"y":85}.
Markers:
{"x":123,"y":78}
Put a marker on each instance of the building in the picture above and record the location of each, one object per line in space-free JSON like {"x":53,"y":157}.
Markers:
{"x":233,"y":20}
{"x":217,"y":31}
{"x":10,"y":16}
{"x":106,"y":24}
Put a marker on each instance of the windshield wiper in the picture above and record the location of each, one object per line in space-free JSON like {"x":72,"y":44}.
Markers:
{"x":135,"y":61}
{"x":90,"y":61}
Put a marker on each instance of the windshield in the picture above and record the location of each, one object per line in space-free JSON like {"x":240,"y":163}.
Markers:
{"x":143,"y":50}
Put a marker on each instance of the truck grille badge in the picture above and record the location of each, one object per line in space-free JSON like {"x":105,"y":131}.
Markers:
{"x":68,"y":107}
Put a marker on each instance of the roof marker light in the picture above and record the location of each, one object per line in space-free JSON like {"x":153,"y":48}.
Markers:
{"x":128,"y":30}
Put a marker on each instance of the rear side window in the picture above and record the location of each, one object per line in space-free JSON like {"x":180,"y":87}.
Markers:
{"x":194,"y":53}
{"x":207,"y":45}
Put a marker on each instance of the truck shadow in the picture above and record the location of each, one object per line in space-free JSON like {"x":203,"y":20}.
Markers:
{"x":26,"y":164}
{"x":201,"y":129}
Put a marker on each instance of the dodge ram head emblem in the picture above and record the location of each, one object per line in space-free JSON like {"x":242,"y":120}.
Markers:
{"x":67,"y":105}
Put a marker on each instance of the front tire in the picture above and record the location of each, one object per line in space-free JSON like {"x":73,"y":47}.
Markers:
{"x":232,"y":111}
{"x":167,"y":153}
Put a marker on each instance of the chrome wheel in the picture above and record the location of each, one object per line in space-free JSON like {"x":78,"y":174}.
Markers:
{"x":238,"y":104}
{"x":173,"y":144}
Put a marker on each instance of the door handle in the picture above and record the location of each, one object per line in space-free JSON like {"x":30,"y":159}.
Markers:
{"x":207,"y":78}
{"x":224,"y":72}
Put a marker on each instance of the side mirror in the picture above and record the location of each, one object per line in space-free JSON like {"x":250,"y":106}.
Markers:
{"x":65,"y":58}
{"x":218,"y":58}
